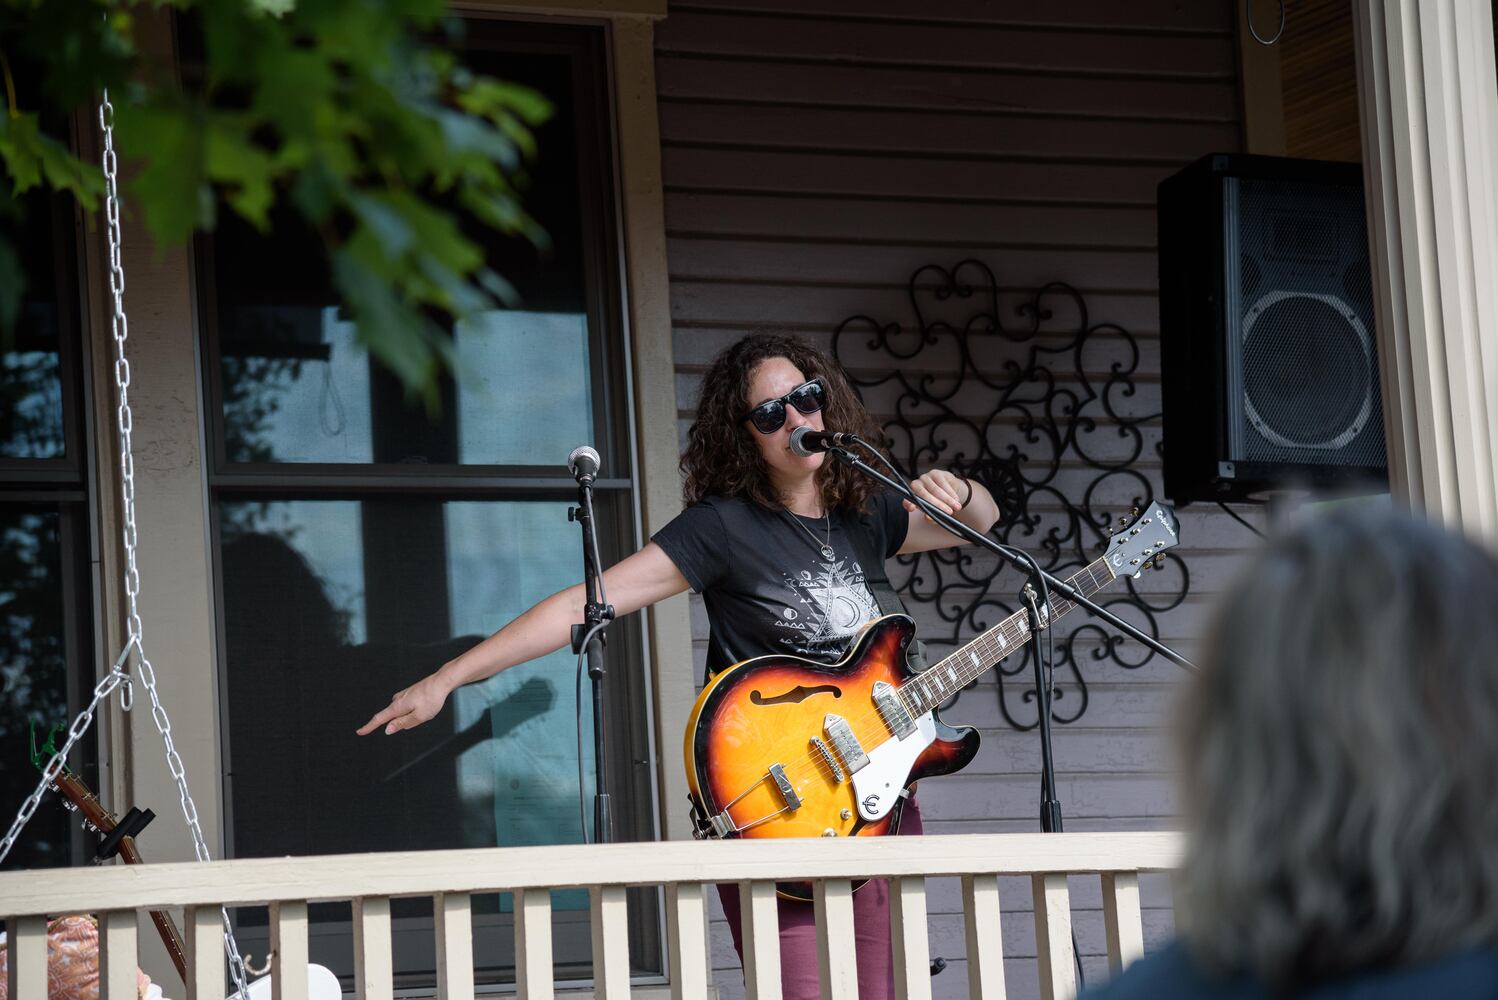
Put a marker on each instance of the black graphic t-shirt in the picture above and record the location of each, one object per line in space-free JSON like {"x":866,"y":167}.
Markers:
{"x":768,"y":587}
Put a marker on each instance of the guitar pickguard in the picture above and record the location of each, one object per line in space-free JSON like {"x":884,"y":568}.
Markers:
{"x":878,"y":785}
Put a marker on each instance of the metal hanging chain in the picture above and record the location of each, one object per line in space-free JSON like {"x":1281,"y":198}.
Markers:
{"x":85,"y":718}
{"x":119,"y":326}
{"x":116,"y":676}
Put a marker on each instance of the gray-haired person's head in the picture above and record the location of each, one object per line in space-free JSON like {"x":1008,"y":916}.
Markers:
{"x":1340,"y":755}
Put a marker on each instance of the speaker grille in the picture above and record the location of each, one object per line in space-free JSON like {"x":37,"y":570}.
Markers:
{"x":1308,"y":379}
{"x":1301,"y":347}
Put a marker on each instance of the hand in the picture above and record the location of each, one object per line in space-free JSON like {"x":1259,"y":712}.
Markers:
{"x":410,"y":708}
{"x":942,"y":489}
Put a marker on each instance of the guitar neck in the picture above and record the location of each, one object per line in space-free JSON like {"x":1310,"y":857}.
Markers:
{"x":176,"y":949}
{"x":72,"y":788}
{"x":945,"y":678}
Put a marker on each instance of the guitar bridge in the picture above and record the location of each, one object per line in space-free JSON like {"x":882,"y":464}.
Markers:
{"x":826,"y":754}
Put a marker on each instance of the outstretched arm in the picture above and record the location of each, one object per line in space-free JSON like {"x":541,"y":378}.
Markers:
{"x":947,"y":493}
{"x":642,"y":579}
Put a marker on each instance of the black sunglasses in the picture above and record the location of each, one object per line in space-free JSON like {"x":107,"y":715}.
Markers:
{"x":769,"y":416}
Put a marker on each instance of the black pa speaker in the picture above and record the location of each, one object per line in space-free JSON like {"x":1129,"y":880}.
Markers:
{"x":1268,"y":359}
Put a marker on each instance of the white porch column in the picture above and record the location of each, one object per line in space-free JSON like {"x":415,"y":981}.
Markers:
{"x":1429,"y":100}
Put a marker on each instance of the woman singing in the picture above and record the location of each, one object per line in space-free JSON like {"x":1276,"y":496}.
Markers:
{"x":773,"y":541}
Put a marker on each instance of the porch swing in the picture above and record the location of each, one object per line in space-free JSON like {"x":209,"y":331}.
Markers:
{"x":118,"y":834}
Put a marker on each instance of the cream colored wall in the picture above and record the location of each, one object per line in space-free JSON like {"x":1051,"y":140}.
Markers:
{"x":649,"y":314}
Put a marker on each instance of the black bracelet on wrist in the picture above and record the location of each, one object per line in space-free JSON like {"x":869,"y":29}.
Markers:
{"x":969,"y":492}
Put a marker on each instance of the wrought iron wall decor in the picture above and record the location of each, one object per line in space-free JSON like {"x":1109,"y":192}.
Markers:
{"x":1022,"y":411}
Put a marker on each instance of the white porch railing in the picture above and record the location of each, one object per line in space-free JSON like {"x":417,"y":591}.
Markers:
{"x":117,"y":894}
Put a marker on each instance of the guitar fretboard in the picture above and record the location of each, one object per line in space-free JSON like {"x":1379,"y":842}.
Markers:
{"x":944,"y":679}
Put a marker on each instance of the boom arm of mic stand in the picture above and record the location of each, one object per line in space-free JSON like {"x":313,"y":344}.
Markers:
{"x":961,"y":530}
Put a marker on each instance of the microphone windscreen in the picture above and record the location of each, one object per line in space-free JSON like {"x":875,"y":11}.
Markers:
{"x":584,"y":460}
{"x":798,"y":442}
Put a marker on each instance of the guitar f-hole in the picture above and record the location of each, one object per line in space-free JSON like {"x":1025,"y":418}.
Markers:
{"x":795,"y":695}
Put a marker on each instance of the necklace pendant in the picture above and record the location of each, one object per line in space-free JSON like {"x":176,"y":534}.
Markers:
{"x":827,"y":552}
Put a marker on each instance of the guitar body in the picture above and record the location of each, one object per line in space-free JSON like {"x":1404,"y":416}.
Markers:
{"x":751,"y":744}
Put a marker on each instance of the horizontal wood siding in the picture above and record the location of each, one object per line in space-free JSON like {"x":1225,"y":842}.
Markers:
{"x":815,"y":153}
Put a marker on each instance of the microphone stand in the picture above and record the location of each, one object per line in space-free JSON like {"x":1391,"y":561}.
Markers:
{"x":1050,"y":806}
{"x":592,"y":633}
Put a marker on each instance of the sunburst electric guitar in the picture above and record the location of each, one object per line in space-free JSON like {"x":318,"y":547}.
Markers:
{"x":780,"y":746}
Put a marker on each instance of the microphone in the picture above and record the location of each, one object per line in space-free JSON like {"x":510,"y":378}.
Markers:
{"x":807,"y":442}
{"x":583,"y":464}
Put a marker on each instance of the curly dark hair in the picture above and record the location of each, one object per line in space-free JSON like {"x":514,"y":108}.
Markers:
{"x":721,"y":458}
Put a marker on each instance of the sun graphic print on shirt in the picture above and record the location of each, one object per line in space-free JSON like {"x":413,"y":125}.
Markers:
{"x":828,"y":608}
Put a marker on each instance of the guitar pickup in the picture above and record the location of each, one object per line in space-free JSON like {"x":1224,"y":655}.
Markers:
{"x":887,"y":700}
{"x":840,"y":734}
{"x":787,"y":792}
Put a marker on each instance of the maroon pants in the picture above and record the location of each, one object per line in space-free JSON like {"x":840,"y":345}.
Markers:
{"x":800,"y":965}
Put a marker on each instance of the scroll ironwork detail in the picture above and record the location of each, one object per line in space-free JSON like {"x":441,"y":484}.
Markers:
{"x":1045,"y":412}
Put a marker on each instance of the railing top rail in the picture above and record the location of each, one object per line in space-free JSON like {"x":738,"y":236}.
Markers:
{"x":422,"y":873}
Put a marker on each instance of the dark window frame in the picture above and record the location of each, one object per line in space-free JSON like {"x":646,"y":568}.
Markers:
{"x":67,"y":485}
{"x":631,"y":710}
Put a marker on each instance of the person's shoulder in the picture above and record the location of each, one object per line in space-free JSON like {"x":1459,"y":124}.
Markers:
{"x":1169,"y":972}
{"x":877,"y":507}
{"x":1469,"y":974}
{"x":733,"y":509}
{"x":714,"y":516}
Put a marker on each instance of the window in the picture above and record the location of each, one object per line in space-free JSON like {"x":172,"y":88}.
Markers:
{"x":46,"y":645}
{"x":362,"y":542}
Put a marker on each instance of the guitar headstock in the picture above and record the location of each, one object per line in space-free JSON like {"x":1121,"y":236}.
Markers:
{"x":79,"y":796}
{"x":1134,"y":546}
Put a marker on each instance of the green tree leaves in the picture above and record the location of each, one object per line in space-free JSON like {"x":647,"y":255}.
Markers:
{"x":351,"y":112}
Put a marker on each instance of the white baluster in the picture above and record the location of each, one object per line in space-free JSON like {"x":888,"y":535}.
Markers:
{"x":908,"y":935}
{"x":1053,"y":951}
{"x":27,"y":972}
{"x":454,"y":913}
{"x":204,"y":931}
{"x":761,"y":934}
{"x":686,"y":929}
{"x":1122,"y":919}
{"x":288,"y":944}
{"x":118,"y":955}
{"x":833,"y":901}
{"x":533,"y":963}
{"x":610,"y":942}
{"x":374,"y":969}
{"x":985,"y":942}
